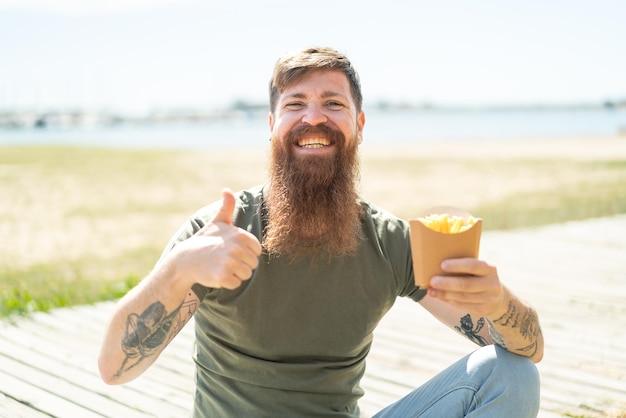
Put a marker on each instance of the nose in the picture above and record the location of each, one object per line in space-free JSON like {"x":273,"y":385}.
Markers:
{"x":314,"y":115}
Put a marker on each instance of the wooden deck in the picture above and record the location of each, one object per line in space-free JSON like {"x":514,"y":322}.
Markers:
{"x":574,"y":273}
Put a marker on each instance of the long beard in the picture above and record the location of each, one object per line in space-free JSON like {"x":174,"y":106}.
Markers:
{"x":312,"y":202}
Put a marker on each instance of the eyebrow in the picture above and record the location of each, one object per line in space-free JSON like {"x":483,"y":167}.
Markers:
{"x":325,"y":95}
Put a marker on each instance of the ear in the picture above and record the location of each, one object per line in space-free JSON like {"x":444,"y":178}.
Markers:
{"x":271,"y":121}
{"x":360,"y":123}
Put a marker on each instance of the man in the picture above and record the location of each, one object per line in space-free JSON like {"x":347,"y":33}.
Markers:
{"x":287,"y":282}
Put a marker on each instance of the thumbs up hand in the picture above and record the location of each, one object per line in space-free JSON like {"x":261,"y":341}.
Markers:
{"x":220,"y":255}
{"x":225,"y":213}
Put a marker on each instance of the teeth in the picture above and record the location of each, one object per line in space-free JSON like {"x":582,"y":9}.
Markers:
{"x":313,"y":142}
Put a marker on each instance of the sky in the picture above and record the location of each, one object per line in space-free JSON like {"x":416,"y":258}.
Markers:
{"x":138,"y":56}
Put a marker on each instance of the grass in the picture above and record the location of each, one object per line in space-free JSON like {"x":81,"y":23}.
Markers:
{"x":81,"y":225}
{"x":595,"y":197}
{"x":33,"y":290}
{"x":507,"y":193}
{"x":43,"y":286}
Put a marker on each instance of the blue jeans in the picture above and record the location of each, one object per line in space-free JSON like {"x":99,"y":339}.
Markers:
{"x":489,"y":383}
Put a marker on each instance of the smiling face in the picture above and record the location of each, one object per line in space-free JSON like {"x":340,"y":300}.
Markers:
{"x":312,"y":199}
{"x":313,"y":112}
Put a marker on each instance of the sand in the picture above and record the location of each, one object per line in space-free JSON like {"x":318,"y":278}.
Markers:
{"x":97,"y":213}
{"x":473,"y":173}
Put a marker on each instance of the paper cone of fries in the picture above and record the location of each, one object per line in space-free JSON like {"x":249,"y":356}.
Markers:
{"x":452,"y":233}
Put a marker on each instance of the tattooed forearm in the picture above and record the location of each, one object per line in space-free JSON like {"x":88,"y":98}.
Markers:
{"x":496,"y":337}
{"x":467,"y":329}
{"x":147,"y":333}
{"x":530,"y":350}
{"x":525,"y":322}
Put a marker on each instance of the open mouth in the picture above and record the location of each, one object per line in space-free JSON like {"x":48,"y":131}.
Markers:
{"x":312,"y":143}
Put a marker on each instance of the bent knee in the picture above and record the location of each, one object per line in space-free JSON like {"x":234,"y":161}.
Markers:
{"x":509,"y":380}
{"x":511,"y":369}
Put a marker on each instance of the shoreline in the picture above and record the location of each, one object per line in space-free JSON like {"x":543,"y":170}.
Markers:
{"x":579,"y":147}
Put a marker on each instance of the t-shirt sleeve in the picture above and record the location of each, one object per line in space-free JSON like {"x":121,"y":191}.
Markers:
{"x":409,"y":288}
{"x":396,"y":240}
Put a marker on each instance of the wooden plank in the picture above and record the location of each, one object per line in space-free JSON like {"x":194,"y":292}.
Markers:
{"x":572,"y":273}
{"x":66,"y":392}
{"x":41,"y":400}
{"x":76,"y":358}
{"x":83,"y":387}
{"x":40,"y":336}
{"x":12,"y":408}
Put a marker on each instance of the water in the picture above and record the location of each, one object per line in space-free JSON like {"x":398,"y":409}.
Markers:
{"x":399,"y":127}
{"x":498,"y":125}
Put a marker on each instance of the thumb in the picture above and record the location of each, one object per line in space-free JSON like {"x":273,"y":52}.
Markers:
{"x":225,"y":213}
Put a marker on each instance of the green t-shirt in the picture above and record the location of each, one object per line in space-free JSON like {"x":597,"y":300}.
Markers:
{"x":292,"y":340}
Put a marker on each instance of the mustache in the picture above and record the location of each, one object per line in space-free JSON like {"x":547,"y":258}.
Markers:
{"x":335,"y":136}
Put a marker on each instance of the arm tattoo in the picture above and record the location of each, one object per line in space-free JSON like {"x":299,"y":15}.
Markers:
{"x":467,"y":329}
{"x":496,"y":337}
{"x":527,"y":323}
{"x":148,"y":331}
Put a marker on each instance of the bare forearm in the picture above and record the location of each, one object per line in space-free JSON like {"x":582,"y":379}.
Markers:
{"x":144,"y":322}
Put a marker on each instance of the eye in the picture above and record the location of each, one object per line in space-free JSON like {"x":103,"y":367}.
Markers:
{"x":294,"y":105}
{"x":334,"y":105}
